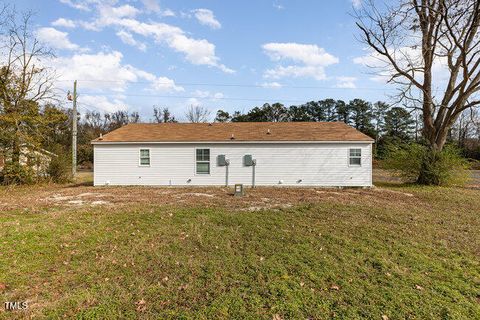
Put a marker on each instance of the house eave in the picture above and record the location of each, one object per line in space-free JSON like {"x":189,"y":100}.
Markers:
{"x":230,"y":142}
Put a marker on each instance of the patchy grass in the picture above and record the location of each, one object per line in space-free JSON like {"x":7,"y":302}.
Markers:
{"x":396,"y":251}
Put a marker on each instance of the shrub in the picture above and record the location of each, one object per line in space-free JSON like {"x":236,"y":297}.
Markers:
{"x":60,"y":169}
{"x":419,"y":163}
{"x":16,"y":173}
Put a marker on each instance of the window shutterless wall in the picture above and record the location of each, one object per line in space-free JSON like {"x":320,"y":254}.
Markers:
{"x":315,"y":164}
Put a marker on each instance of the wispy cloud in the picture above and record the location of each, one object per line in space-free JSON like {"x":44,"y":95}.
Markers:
{"x":278,"y":5}
{"x":66,"y":23}
{"x":124,"y":19}
{"x":271,"y":85}
{"x":356,"y":3}
{"x":310,"y":60}
{"x":346,"y":82}
{"x":106,"y":71}
{"x":56,"y":39}
{"x":127,"y":38}
{"x":207,"y":18}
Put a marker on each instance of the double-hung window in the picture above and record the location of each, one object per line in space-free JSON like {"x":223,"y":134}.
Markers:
{"x":144,"y":157}
{"x":202,"y":165}
{"x":355,"y":157}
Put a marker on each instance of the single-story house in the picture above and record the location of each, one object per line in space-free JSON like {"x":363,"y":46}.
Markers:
{"x":37,"y":158}
{"x":250,"y":153}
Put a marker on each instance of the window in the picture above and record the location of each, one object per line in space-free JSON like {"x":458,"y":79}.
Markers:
{"x":355,"y":158}
{"x":144,"y":157}
{"x":203,"y":161}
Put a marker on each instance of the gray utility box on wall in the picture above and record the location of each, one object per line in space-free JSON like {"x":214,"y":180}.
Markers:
{"x":247,"y":160}
{"x":221,"y":160}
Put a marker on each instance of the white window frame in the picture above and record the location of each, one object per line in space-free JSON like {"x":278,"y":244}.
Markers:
{"x":354,"y":157}
{"x":209,"y":162}
{"x":140,"y":157}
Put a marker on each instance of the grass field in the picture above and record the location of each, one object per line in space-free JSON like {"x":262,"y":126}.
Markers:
{"x":392,"y":252}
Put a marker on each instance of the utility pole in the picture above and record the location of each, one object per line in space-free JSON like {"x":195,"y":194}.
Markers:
{"x":74,"y":131}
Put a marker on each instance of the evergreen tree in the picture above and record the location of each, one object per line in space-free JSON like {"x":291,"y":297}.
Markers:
{"x":399,"y":123}
{"x":361,"y":115}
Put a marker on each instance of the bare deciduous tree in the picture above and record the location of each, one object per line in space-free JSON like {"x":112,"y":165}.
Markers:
{"x":431,"y":48}
{"x":162,"y":115}
{"x":197,"y":114}
{"x":25,"y":83}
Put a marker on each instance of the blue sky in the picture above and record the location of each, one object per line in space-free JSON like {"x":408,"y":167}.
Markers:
{"x":231,"y":55}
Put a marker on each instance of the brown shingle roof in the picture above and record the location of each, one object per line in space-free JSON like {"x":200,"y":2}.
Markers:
{"x":240,"y":131}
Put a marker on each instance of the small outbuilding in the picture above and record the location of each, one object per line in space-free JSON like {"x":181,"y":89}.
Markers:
{"x":327,"y":154}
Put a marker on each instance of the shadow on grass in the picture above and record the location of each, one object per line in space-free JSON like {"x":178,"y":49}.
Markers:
{"x":80,"y":184}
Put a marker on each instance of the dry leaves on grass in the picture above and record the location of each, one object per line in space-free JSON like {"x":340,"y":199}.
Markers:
{"x":141,"y":305}
{"x":261,"y":198}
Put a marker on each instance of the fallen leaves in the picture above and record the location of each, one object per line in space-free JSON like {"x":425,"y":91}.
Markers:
{"x":141,"y":305}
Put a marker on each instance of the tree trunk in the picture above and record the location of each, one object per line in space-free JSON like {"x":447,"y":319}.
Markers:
{"x":428,"y":175}
{"x":16,"y":149}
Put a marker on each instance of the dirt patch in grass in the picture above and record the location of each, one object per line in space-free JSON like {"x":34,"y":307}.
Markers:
{"x":44,"y":197}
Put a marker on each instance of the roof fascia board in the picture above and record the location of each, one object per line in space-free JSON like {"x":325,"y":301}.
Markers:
{"x":227,"y":142}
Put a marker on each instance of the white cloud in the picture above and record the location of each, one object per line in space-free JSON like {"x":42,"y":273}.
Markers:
{"x":196,"y":51}
{"x":310,"y":60}
{"x":78,"y":4}
{"x":308,"y":54}
{"x":318,"y":73}
{"x":102,"y":103}
{"x":110,"y":15}
{"x":127,"y":38}
{"x":346,"y":82}
{"x":151,"y":5}
{"x":208,"y":95}
{"x":62,"y":22}
{"x":405,"y":57}
{"x":356,"y":3}
{"x":55,"y":39}
{"x":106,"y":72}
{"x":164,"y":84}
{"x":271,"y":85}
{"x":168,"y":13}
{"x":207,"y":18}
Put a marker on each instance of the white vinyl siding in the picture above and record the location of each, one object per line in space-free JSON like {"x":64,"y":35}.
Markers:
{"x":295,"y":164}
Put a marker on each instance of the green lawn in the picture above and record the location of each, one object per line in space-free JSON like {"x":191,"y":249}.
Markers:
{"x":400,"y":252}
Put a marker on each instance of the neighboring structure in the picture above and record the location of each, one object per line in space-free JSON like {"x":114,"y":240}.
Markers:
{"x":251,"y":153}
{"x":37,"y":158}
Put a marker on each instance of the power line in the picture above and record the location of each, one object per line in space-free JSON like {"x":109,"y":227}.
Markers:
{"x":191,"y":97}
{"x":197,"y":97}
{"x":228,"y":85}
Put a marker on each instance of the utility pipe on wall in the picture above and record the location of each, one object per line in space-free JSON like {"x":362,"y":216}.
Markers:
{"x":227,"y":164}
{"x":254,"y":164}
